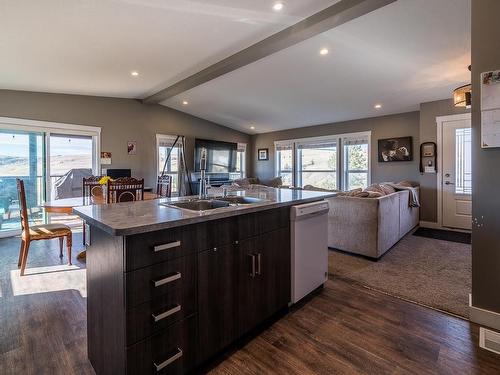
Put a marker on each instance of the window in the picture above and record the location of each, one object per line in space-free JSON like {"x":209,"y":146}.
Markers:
{"x":355,"y":162}
{"x":284,"y":162}
{"x":331,"y":162}
{"x":40,"y":153}
{"x":164,"y":144}
{"x":317,"y":164}
{"x":240,"y":162}
{"x":463,"y":167}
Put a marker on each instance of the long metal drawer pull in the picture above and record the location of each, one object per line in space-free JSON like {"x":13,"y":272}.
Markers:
{"x":258,"y":272}
{"x":167,"y":246}
{"x":166,"y":314}
{"x":165,"y":363}
{"x":252,"y":272}
{"x":166,"y":280}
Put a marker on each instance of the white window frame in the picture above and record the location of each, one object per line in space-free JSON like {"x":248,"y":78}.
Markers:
{"x":48,"y":127}
{"x":345,"y":170}
{"x":277,"y":159}
{"x":338,"y":138}
{"x":242,"y":149}
{"x":165,"y":137}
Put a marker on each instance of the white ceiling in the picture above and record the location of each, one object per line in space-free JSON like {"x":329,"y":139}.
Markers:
{"x":404,"y":54}
{"x":90,"y":47}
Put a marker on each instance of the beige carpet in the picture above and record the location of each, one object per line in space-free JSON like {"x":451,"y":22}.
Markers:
{"x":431,"y":272}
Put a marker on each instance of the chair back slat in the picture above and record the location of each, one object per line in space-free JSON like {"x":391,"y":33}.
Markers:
{"x":91,"y":187}
{"x":23,"y":207}
{"x":126,"y":189}
{"x":164,"y":186}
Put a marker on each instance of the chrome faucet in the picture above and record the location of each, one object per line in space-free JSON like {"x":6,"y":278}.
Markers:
{"x":202,"y":189}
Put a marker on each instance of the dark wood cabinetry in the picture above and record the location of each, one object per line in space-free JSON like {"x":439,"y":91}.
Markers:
{"x":181,"y":295}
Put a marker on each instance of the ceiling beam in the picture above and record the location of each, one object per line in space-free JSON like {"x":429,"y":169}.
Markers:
{"x":327,"y":19}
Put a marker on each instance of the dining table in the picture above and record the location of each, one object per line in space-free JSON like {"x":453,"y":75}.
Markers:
{"x":66,"y":205}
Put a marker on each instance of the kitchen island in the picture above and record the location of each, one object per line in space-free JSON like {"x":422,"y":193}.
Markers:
{"x":169,"y":288}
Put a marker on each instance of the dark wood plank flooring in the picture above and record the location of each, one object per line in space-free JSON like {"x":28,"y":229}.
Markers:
{"x":345,"y":329}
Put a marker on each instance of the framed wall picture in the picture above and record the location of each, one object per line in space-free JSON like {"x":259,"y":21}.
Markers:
{"x":263,"y":154}
{"x":132,"y":147}
{"x":395,"y":149}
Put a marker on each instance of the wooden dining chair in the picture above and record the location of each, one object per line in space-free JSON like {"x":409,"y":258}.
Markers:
{"x":38,"y":232}
{"x":164,"y":186}
{"x":125,"y":189}
{"x":92,"y":188}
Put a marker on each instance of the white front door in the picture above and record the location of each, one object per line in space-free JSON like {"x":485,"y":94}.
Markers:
{"x":457,"y":174}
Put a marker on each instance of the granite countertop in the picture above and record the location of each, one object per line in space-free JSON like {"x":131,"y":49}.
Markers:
{"x":122,"y":219}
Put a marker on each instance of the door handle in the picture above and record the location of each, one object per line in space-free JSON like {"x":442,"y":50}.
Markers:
{"x":252,"y":268}
{"x":449,"y":183}
{"x":258,"y":272}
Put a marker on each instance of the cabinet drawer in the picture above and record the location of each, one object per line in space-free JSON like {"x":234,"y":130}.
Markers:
{"x":142,"y":250}
{"x":151,"y":317}
{"x":171,"y":351}
{"x":251,"y":225}
{"x":177,"y":278}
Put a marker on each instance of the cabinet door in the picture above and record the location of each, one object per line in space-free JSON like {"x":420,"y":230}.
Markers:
{"x":216,"y":315}
{"x":263,"y":278}
{"x":273,"y":271}
{"x":248,"y":288}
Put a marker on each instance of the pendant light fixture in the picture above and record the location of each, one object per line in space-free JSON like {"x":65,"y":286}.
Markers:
{"x":462,"y":96}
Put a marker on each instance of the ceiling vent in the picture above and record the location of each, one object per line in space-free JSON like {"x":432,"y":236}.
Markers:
{"x":489,"y":340}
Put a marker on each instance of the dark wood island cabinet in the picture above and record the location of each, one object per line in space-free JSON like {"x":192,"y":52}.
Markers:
{"x":168,"y":289}
{"x":168,"y":300}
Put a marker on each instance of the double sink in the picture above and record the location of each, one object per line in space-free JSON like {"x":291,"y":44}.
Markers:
{"x":199,"y":205}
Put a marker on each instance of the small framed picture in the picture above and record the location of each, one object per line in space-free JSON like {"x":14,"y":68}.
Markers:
{"x":263,"y":154}
{"x":395,"y":149}
{"x":132,"y":147}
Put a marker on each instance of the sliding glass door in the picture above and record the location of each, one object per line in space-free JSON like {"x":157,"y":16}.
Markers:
{"x":50,"y":160}
{"x":22,"y":155}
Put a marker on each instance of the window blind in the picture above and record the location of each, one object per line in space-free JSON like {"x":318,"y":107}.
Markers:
{"x":330,"y":143}
{"x":355,"y":140}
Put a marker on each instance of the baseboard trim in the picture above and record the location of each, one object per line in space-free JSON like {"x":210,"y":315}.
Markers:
{"x":430,"y":224}
{"x":484,"y":317}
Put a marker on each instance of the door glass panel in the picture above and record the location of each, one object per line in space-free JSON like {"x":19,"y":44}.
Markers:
{"x":21,"y":156}
{"x":463,"y":163}
{"x":69,"y":154}
{"x":172,"y":167}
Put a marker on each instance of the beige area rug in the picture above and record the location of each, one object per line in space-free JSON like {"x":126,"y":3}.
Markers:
{"x":430,"y":272}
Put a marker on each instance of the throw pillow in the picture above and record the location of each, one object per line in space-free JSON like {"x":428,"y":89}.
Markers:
{"x":274,"y":182}
{"x":387,"y":189}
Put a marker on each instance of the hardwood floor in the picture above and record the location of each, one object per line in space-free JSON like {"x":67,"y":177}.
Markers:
{"x":345,"y":329}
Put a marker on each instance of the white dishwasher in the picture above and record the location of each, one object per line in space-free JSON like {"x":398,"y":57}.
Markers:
{"x":309,"y":232}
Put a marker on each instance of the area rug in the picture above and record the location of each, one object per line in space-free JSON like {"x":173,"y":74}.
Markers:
{"x":426,"y":271}
{"x":445,"y":235}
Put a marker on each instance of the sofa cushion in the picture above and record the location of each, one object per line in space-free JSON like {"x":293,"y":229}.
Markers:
{"x":388,"y":189}
{"x":273,"y":182}
{"x":245,"y":182}
{"x":376,"y":188}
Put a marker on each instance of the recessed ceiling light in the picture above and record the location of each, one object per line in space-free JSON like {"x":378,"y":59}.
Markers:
{"x":377,"y":106}
{"x":324,"y":51}
{"x":278,"y":6}
{"x":252,"y":127}
{"x":185,"y":102}
{"x":134,"y":73}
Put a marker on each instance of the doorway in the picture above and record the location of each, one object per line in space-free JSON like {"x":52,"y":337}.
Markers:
{"x":41,"y":153}
{"x":455,"y":172}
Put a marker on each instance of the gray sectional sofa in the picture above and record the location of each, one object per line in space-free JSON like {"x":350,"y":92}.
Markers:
{"x":370,"y":226}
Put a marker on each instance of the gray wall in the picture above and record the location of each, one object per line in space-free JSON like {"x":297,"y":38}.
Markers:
{"x":400,"y":125}
{"x":428,"y":133}
{"x":486,"y":164}
{"x":121,"y":120}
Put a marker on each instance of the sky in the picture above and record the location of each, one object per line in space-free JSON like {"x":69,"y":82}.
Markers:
{"x":18,"y":145}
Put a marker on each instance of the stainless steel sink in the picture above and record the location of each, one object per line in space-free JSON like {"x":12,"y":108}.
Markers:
{"x":200,"y":204}
{"x":241,"y":200}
